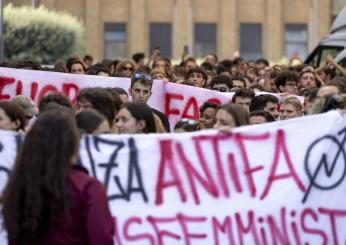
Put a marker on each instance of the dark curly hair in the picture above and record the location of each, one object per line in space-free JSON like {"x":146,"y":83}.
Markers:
{"x":38,"y":186}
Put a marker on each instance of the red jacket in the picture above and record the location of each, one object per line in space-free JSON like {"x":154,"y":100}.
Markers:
{"x":90,"y":220}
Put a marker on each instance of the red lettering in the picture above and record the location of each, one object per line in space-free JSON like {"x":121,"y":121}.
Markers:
{"x":309,"y":212}
{"x":214,"y":101}
{"x":281,"y":147}
{"x":167,"y":162}
{"x":332,"y":217}
{"x":275,"y":232}
{"x":191,"y":172}
{"x":142,"y":236}
{"x":4,"y":81}
{"x":70,"y":89}
{"x":225,"y":227}
{"x":234,"y":173}
{"x":168,"y":98}
{"x":45,"y":90}
{"x":34,"y":88}
{"x":248,"y":171}
{"x":183,"y":220}
{"x":19,"y":88}
{"x":191,"y":104}
{"x":161,"y":233}
{"x":241,"y":228}
{"x":116,"y":231}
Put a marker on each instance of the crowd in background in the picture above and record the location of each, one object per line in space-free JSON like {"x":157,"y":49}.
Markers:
{"x":46,"y":186}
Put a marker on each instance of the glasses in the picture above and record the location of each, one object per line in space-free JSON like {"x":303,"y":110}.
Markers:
{"x":189,"y":121}
{"x":146,"y":77}
{"x":127,"y":68}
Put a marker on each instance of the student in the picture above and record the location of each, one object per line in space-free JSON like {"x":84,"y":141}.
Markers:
{"x":48,"y":198}
{"x":243,"y":97}
{"x":259,"y":117}
{"x":141,"y":90}
{"x":197,"y":76}
{"x":12,"y":117}
{"x":266,"y":102}
{"x":290,"y":107}
{"x":186,"y":125}
{"x":135,"y":118}
{"x":90,"y":121}
{"x":221,"y":83}
{"x":229,"y":116}
{"x":287,"y":82}
{"x":207,"y":115}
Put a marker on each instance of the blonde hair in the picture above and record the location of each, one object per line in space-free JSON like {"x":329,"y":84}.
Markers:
{"x":294,"y":101}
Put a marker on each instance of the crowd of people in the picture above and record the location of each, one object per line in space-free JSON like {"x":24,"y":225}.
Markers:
{"x":46,"y":184}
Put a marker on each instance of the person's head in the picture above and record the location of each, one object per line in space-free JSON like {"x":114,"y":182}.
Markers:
{"x":310,"y":96}
{"x":27,"y":105}
{"x":265,"y":102}
{"x":125,"y":67}
{"x":123,"y":95}
{"x":221,"y":83}
{"x":287,"y":82}
{"x":76,"y":67}
{"x":90,"y":121}
{"x":99,"y":99}
{"x":161,"y":63}
{"x":290,"y":107}
{"x":190,"y":63}
{"x":88,"y":60}
{"x":259,"y":117}
{"x":159,"y":74}
{"x":57,"y":98}
{"x":308,"y":78}
{"x":140,"y":89}
{"x":186,"y":125}
{"x":229,"y":116}
{"x":135,"y":118}
{"x":327,"y":90}
{"x":38,"y":185}
{"x":261,"y":63}
{"x":12,"y":116}
{"x":243,"y":98}
{"x":238,"y":82}
{"x":211,"y":58}
{"x":197,"y":76}
{"x":327,"y":73}
{"x":138,"y":58}
{"x":207,"y":115}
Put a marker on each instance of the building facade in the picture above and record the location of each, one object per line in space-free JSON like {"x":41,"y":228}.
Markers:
{"x":252,"y":28}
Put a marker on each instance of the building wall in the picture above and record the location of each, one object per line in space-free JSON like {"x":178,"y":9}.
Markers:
{"x":273,"y":15}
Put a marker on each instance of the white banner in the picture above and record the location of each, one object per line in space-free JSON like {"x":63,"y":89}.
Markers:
{"x":277,"y":183}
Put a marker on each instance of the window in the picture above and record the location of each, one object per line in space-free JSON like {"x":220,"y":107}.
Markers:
{"x":296,"y":40}
{"x":115,"y":40}
{"x":161,"y":36}
{"x":251,"y":41}
{"x":205,"y":39}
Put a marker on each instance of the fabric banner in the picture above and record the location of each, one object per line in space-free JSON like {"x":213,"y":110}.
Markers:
{"x":277,"y":183}
{"x":175,"y":100}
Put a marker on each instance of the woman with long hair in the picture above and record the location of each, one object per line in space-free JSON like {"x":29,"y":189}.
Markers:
{"x":48,"y":199}
{"x":229,"y":116}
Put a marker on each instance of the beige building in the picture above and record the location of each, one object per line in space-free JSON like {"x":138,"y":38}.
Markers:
{"x":252,"y":28}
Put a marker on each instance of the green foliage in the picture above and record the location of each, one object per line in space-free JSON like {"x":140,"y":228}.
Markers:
{"x":40,"y":35}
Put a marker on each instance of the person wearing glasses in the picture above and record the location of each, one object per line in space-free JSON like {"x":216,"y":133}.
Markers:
{"x":287,"y":82}
{"x":125,"y":68}
{"x":141,"y":90}
{"x":221,"y":83}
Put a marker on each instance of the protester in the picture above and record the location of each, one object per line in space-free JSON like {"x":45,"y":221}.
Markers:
{"x":243,"y":97}
{"x":125,"y":68}
{"x":76,"y":67}
{"x":135,"y":118}
{"x":229,"y":116}
{"x":27,"y":105}
{"x":221,"y":83}
{"x":259,"y":117}
{"x":290,"y":107}
{"x":197,"y":76}
{"x":186,"y":125}
{"x":57,"y":98}
{"x":48,"y":198}
{"x":287,"y":82}
{"x":12,"y":116}
{"x":140,"y":91}
{"x":266,"y":102}
{"x":207,"y":115}
{"x":90,"y":121}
